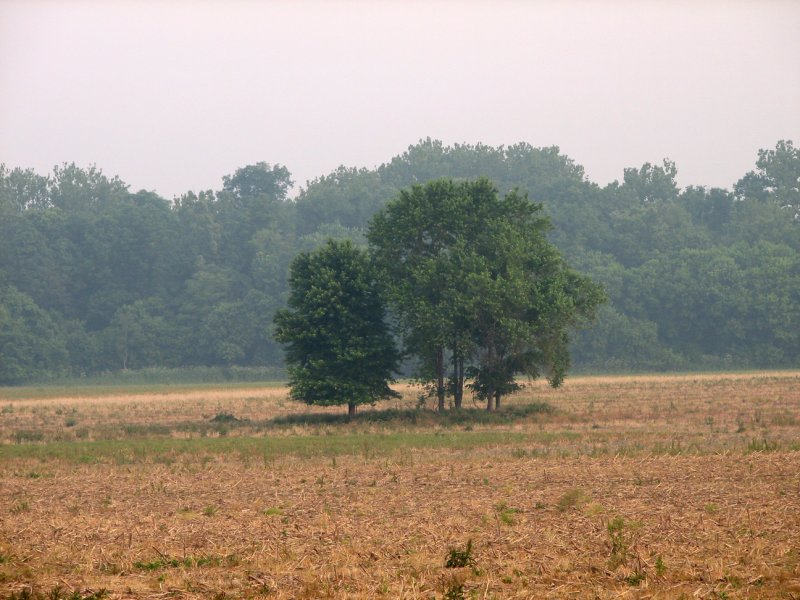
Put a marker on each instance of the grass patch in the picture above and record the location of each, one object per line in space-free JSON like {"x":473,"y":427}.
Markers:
{"x":424,"y":417}
{"x":190,"y":562}
{"x":226,"y":417}
{"x":573,"y":498}
{"x":20,"y":507}
{"x":505,"y":513}
{"x":23,"y":436}
{"x":128,"y":451}
{"x":761,"y":445}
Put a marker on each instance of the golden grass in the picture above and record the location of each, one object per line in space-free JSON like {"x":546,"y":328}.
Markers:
{"x":635,"y":487}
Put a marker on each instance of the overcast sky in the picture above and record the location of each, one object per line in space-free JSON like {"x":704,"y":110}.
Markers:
{"x":173,"y":95}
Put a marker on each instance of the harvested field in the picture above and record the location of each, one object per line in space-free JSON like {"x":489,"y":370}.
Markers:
{"x":623,"y":487}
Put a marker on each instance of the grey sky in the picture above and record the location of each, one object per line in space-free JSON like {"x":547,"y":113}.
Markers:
{"x":171,"y":96}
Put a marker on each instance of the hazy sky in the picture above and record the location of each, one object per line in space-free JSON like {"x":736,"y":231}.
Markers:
{"x":173,"y":95}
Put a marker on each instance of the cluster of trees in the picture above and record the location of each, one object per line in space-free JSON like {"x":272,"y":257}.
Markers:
{"x":472,"y":282}
{"x":95,"y":277}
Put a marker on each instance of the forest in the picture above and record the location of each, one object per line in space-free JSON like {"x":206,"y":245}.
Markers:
{"x":96,"y":278}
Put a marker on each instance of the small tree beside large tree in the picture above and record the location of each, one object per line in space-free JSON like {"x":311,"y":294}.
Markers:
{"x":339,"y":349}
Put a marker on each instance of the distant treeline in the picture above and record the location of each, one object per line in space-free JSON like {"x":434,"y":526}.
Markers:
{"x":96,"y":278}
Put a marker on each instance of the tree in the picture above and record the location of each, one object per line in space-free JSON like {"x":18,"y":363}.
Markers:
{"x":31,"y":344}
{"x":415,"y":239}
{"x":251,"y":200}
{"x":777,"y":177}
{"x":260,"y":179}
{"x":138,"y":336}
{"x":348,"y":197}
{"x":653,"y":183}
{"x":77,"y":190}
{"x":474,"y":275}
{"x":524,"y":300}
{"x":20,"y":190}
{"x":338,"y":346}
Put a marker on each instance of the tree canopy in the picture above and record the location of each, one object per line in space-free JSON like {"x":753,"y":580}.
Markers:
{"x":338,"y":346}
{"x":474,"y":277}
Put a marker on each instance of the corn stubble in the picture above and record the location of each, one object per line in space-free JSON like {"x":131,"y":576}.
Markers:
{"x":608,"y":495}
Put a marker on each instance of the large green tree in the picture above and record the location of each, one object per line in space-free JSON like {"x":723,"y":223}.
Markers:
{"x":338,"y":346}
{"x":415,"y":239}
{"x":475,"y":283}
{"x":525,"y":302}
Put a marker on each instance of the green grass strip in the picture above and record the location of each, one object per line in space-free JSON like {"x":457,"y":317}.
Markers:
{"x":366,"y":444}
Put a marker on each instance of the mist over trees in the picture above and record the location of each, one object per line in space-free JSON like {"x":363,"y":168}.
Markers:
{"x":95,"y":277}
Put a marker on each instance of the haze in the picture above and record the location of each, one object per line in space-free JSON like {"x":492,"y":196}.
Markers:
{"x":171,"y":96}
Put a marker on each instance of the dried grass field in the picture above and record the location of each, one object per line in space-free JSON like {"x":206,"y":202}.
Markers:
{"x":610,"y":487}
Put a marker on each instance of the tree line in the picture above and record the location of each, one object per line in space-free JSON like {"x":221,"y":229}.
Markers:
{"x":95,"y":277}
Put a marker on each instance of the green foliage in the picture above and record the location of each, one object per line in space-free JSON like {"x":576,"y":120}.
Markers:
{"x":776,"y":179}
{"x":345,"y":197}
{"x":31,"y":343}
{"x":338,"y":346}
{"x":458,"y":558}
{"x":474,"y":274}
{"x":652,"y":183}
{"x":189,"y":562}
{"x":621,"y":536}
{"x":260,"y":179}
{"x":761,"y":445}
{"x":400,"y":417}
{"x":619,"y":544}
{"x":661,"y":568}
{"x":21,"y":436}
{"x":635,"y":578}
{"x":572,"y":498}
{"x":505,"y":513}
{"x":95,"y":278}
{"x":454,"y":591}
{"x":224,"y":417}
{"x":156,"y":448}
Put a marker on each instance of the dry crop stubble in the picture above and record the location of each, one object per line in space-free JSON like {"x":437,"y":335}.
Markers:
{"x":593,"y":500}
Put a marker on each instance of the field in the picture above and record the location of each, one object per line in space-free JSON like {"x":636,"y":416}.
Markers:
{"x":610,"y":487}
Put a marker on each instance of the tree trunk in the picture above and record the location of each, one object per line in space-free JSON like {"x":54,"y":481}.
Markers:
{"x":458,"y":378}
{"x":491,"y":366}
{"x":440,"y":378}
{"x":351,"y":410}
{"x":460,"y":382}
